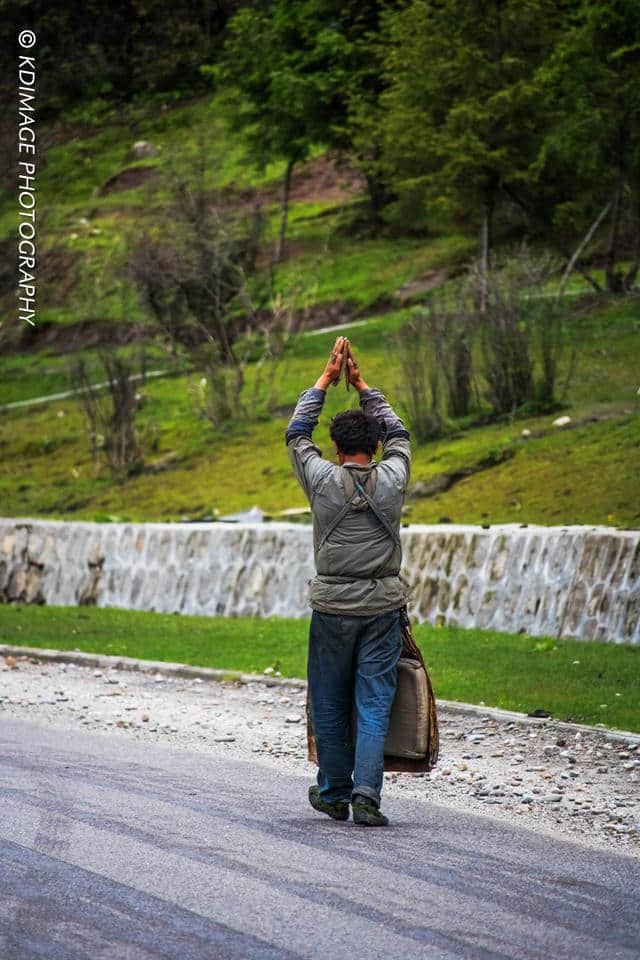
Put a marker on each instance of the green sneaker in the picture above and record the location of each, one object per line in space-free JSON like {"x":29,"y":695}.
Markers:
{"x":337,"y":811}
{"x":366,"y":814}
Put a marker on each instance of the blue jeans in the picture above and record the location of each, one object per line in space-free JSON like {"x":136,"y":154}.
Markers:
{"x":352,"y":658}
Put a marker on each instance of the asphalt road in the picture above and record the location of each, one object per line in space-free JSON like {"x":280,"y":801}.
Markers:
{"x":113,"y":850}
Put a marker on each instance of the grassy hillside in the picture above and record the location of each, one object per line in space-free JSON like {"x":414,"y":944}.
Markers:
{"x":585,"y":474}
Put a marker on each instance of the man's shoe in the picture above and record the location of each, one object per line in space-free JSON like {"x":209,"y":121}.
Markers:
{"x":337,"y":811}
{"x":366,"y":814}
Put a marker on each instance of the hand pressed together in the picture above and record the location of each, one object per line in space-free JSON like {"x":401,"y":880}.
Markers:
{"x":331,"y":374}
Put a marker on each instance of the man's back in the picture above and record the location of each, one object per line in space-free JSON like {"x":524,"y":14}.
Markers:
{"x":358,"y":563}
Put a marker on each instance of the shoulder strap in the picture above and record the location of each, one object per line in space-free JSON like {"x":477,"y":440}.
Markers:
{"x":358,"y":487}
{"x":383,"y":520}
{"x":335,"y":521}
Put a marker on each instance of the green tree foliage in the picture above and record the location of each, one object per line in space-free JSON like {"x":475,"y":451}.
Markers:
{"x":461,"y":113}
{"x":92,"y":51}
{"x":591,"y":84}
{"x":297,"y":74}
{"x":475,"y":108}
{"x":285,"y":66}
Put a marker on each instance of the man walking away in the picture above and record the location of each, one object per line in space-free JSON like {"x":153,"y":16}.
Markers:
{"x":355,"y":634}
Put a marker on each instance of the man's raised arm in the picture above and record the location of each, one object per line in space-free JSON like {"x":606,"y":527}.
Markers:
{"x":396,"y":450}
{"x":305,"y":456}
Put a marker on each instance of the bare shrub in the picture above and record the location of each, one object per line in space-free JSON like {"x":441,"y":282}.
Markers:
{"x":434,"y":350}
{"x":110,"y":412}
{"x":419,"y":350}
{"x":249,"y":389}
{"x":191,"y":271}
{"x":452,"y":322}
{"x":523,"y":333}
{"x":193,"y":275}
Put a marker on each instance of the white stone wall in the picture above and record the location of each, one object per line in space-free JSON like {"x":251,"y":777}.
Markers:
{"x":559,"y":581}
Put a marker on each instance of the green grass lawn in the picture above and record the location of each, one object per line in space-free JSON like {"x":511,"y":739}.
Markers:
{"x":572,"y":680}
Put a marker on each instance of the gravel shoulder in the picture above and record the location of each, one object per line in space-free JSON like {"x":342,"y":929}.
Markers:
{"x":582,"y":786}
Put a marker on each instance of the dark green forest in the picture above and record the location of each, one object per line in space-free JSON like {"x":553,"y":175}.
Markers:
{"x":517,"y":118}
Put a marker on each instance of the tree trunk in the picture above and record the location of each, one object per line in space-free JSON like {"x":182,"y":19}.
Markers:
{"x":578,"y":266}
{"x":485,"y":252}
{"x":632,"y":272}
{"x":378,"y":198}
{"x":583,"y":243}
{"x":462,"y":366}
{"x":284,"y":213}
{"x":614,"y":279}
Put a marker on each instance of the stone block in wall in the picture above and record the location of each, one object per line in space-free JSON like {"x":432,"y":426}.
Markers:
{"x":589,"y":561}
{"x":474,"y":598}
{"x":140,"y":541}
{"x":35,"y":544}
{"x":478,"y":549}
{"x":515,"y":546}
{"x":550,"y":612}
{"x":453,"y":552}
{"x":622,"y":564}
{"x":444,"y":594}
{"x":588,"y":628}
{"x":165,"y":549}
{"x":426,"y":599}
{"x":617,"y":615}
{"x":532,"y":601}
{"x":575,"y":609}
{"x":460,"y":590}
{"x":609,"y":553}
{"x":509,"y":602}
{"x":125,"y":543}
{"x":530,"y":554}
{"x":149,"y":587}
{"x":488,"y":606}
{"x":631,"y":621}
{"x":497,"y":559}
{"x":633,"y":575}
{"x":151,"y":554}
{"x":136,"y":589}
{"x":9,"y":543}
{"x":415,"y":550}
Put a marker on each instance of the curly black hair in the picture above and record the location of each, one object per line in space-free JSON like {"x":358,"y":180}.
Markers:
{"x":353,"y":431}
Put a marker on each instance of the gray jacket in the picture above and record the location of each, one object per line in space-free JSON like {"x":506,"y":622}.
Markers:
{"x":358,"y":565}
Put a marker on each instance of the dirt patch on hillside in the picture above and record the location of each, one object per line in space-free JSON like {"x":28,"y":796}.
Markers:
{"x":57,"y":274}
{"x":127,"y":179}
{"x":323,"y":180}
{"x":56,"y":279}
{"x":422,"y":284}
{"x":78,"y":336}
{"x":87,"y":334}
